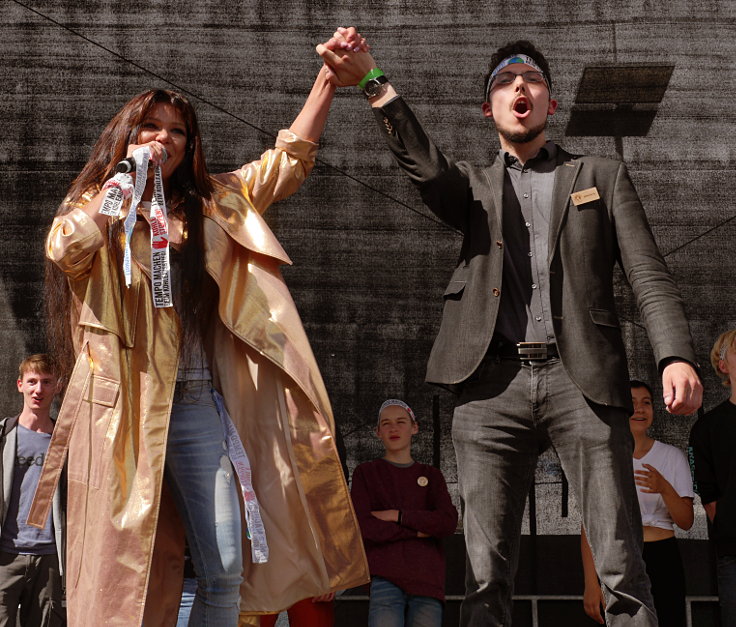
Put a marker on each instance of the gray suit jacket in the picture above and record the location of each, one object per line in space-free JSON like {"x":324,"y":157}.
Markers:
{"x":8,"y":443}
{"x":585,"y":241}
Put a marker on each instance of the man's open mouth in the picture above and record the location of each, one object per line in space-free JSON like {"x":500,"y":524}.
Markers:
{"x":521,"y":107}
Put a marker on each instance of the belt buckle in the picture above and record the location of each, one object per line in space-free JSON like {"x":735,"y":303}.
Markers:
{"x":532,"y":351}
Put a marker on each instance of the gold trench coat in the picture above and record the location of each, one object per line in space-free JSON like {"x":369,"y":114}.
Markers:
{"x":115,"y":415}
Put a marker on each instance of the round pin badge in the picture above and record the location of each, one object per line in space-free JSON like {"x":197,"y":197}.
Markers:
{"x":423,"y":481}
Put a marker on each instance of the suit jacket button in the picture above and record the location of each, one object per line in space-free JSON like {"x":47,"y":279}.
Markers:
{"x":496,"y":291}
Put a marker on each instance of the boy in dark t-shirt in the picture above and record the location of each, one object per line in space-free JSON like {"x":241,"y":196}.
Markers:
{"x":30,"y":558}
{"x":712,"y":452}
{"x":404,"y":509}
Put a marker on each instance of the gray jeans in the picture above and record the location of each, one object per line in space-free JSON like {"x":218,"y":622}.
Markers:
{"x":30,"y":590}
{"x":506,"y":414}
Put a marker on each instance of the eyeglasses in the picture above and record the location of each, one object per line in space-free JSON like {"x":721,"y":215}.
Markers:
{"x":506,"y":78}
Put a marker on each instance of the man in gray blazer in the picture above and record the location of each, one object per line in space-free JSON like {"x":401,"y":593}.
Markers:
{"x":530,"y":340}
{"x":31,"y":559}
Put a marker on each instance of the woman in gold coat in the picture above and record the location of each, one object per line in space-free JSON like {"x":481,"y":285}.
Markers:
{"x":147,"y":458}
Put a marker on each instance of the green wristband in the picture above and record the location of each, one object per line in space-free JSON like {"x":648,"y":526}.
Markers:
{"x":371,"y":74}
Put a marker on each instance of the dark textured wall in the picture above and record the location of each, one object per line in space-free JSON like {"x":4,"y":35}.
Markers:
{"x":369,"y":269}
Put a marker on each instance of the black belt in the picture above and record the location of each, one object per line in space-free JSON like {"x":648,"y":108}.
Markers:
{"x":523,"y":351}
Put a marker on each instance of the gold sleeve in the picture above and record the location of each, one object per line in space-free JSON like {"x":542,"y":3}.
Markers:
{"x":279,"y":172}
{"x":72,"y":242}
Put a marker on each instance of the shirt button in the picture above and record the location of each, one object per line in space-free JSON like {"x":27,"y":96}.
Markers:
{"x":527,"y":224}
{"x":538,"y":318}
{"x":526,"y":195}
{"x":499,"y":243}
{"x":534,"y":286}
{"x":530,"y":253}
{"x":496,"y":291}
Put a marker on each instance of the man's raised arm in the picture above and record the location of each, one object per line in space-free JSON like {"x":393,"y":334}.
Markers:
{"x":347,"y":56}
{"x":443,"y":183}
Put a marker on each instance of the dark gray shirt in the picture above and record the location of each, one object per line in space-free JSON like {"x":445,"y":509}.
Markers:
{"x":193,"y":365}
{"x":524,"y":311}
{"x":17,"y":536}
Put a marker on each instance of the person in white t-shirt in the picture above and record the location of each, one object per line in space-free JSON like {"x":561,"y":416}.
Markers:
{"x":665,"y":494}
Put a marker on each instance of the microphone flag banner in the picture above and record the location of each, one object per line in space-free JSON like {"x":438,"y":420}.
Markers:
{"x":118,"y":188}
{"x":142,"y":156}
{"x":160,"y":260}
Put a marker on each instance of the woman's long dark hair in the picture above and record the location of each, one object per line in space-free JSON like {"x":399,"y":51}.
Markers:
{"x":190,"y":189}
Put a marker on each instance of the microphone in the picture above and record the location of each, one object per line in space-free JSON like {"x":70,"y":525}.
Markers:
{"x":128,"y":164}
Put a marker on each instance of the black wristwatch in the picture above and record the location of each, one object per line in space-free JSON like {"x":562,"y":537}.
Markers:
{"x":373,"y":86}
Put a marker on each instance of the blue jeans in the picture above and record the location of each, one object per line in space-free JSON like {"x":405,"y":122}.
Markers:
{"x":507,"y":413}
{"x":205,"y":489}
{"x":188,"y":594}
{"x":727,"y":589}
{"x":390,"y":606}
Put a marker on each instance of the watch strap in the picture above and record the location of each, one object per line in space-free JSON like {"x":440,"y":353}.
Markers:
{"x":374,"y":73}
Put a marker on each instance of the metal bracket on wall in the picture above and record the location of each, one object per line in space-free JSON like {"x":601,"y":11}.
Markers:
{"x":618,"y":101}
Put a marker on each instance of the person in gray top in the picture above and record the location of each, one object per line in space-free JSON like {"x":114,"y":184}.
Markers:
{"x":530,"y":340}
{"x":31,"y":559}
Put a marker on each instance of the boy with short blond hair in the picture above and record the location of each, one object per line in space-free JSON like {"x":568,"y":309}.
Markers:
{"x":712,"y":448}
{"x":30,"y":558}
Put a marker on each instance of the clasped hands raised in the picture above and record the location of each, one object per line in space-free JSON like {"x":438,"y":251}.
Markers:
{"x":346,"y":56}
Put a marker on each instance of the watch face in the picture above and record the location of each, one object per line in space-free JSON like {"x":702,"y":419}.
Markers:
{"x":372,"y":88}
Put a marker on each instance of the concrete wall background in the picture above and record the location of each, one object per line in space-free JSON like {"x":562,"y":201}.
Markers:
{"x":369,"y":269}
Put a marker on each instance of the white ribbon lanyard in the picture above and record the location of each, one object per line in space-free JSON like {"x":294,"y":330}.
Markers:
{"x":118,"y":188}
{"x":255,"y":530}
{"x":160,"y":261}
{"x":142,"y":156}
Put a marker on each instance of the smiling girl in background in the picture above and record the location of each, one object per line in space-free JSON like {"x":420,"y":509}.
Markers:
{"x":665,"y":492}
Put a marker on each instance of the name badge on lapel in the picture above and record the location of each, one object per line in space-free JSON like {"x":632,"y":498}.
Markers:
{"x":584,"y":196}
